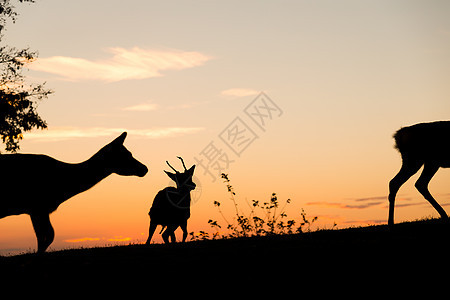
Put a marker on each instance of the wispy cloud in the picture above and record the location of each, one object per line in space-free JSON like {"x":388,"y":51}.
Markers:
{"x":364,"y":222}
{"x":142,"y":107}
{"x":67,"y":133}
{"x":345,"y":206}
{"x":365,"y":202}
{"x":119,"y":239}
{"x":148,"y":106}
{"x":340,"y":220}
{"x":239,"y":92}
{"x":125,"y":64}
{"x":96,"y":239}
{"x":81,"y":240}
{"x":371,"y":198}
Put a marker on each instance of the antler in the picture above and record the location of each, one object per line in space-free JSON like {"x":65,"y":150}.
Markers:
{"x":182,"y":161}
{"x":171,"y":166}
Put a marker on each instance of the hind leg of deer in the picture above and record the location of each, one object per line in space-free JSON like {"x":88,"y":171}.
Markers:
{"x":408,"y":169}
{"x":173,"y":238}
{"x":183,"y":227}
{"x":151,"y":231}
{"x":44,"y":231}
{"x":422,"y":186}
{"x":170,"y":231}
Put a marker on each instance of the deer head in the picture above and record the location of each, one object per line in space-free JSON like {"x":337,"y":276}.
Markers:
{"x":119,"y":160}
{"x":183,"y":180}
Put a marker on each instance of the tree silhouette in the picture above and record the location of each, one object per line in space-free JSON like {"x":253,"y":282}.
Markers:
{"x":18,"y":101}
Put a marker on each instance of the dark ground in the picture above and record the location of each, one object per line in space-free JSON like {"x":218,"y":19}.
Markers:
{"x":329,"y":255}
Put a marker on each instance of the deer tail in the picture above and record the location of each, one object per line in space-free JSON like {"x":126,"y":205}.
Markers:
{"x":401,"y":139}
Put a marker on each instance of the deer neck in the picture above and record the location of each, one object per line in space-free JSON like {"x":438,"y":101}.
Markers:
{"x":92,"y":172}
{"x":74,"y":179}
{"x":185,"y":194}
{"x":84,"y":175}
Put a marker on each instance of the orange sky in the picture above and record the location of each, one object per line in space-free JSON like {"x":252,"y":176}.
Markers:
{"x":342,"y":77}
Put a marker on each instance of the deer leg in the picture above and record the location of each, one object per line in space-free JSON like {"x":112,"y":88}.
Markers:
{"x":151,"y":231}
{"x":407,"y":170}
{"x":422,"y":186}
{"x":184,"y":228}
{"x":43,"y":229}
{"x":173,"y":238}
{"x":165,"y":236}
{"x":169,"y":232}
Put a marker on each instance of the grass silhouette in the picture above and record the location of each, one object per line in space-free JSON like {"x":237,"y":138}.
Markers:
{"x":362,"y":250}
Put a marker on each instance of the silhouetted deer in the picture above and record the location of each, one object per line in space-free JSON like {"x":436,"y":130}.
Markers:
{"x":426,"y":144}
{"x":37,"y":184}
{"x":171,"y":206}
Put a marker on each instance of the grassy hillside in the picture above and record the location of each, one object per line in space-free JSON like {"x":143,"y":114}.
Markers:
{"x":361,"y":251}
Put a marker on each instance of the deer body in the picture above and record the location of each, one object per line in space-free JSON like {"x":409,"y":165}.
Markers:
{"x":37,"y":184}
{"x":424,"y":144}
{"x":30,"y":177}
{"x":171,"y":206}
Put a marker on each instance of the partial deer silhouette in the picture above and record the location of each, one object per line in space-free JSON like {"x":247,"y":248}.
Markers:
{"x":37,"y":184}
{"x":426,"y":144}
{"x":171,"y":206}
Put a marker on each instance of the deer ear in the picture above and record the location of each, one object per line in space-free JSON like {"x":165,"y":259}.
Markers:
{"x":191,"y":170}
{"x":119,"y":140}
{"x":171,"y":175}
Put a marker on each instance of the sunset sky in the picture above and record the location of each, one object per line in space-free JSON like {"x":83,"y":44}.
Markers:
{"x":338,"y":79}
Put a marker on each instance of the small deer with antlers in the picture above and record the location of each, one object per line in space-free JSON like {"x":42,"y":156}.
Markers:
{"x":171,"y":206}
{"x":37,"y":184}
{"x":424,"y":144}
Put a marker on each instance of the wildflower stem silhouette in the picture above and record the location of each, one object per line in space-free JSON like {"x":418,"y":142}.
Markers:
{"x":273,"y":220}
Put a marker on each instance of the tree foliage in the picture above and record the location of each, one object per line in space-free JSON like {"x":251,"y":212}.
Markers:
{"x":18,"y":101}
